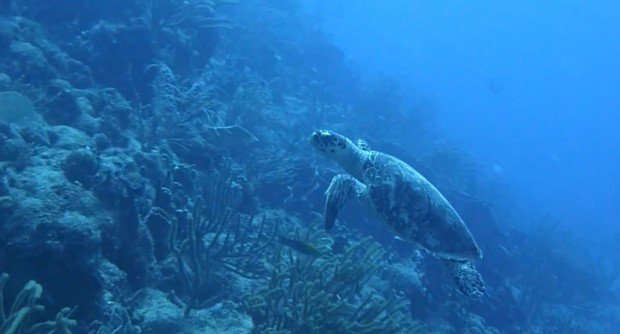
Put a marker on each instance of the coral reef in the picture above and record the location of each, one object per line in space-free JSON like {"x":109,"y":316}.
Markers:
{"x":327,"y":295}
{"x":152,"y":154}
{"x":22,"y":313}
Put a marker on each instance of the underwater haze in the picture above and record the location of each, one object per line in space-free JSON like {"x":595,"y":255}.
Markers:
{"x":302,"y":167}
{"x":529,"y":87}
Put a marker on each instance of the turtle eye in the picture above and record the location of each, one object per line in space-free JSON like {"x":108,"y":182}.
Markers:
{"x":326,"y":140}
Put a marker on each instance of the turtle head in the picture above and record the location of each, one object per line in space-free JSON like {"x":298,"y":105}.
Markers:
{"x":331,"y":144}
{"x":338,"y":148}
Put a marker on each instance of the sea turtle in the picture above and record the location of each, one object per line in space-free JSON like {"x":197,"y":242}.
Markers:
{"x":404,"y":200}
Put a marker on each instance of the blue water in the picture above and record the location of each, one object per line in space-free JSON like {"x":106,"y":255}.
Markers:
{"x":176,"y":166}
{"x":532,"y":87}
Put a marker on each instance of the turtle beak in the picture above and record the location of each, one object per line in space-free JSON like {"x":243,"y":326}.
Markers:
{"x":314,"y":137}
{"x":316,"y":142}
{"x":316,"y":134}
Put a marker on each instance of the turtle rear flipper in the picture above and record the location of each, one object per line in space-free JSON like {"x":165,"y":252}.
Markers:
{"x":466,"y":277}
{"x":342,"y":188}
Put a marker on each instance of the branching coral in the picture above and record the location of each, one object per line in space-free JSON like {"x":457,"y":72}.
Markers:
{"x":327,"y":295}
{"x":185,"y":32}
{"x":174,"y":107}
{"x":21,"y":315}
{"x":189,"y":119}
{"x":209,"y":231}
{"x":169,"y":14}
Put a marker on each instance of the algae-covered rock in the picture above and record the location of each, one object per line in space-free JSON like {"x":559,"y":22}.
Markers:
{"x":224,"y":317}
{"x":30,"y":61}
{"x":81,"y":166}
{"x":16,"y":108}
{"x":55,"y":233}
{"x":5,"y":82}
{"x":61,"y":106}
{"x":36,"y":134}
{"x":406,"y":277}
{"x":155,"y":314}
{"x":12,"y":149}
{"x":68,"y":138}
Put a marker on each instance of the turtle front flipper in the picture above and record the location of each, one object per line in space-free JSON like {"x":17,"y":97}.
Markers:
{"x":466,"y":277}
{"x":340,"y":190}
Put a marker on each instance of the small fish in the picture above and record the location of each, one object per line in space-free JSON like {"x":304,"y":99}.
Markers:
{"x":300,"y":246}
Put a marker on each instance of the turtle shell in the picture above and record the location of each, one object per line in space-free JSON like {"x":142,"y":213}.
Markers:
{"x":415,"y":210}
